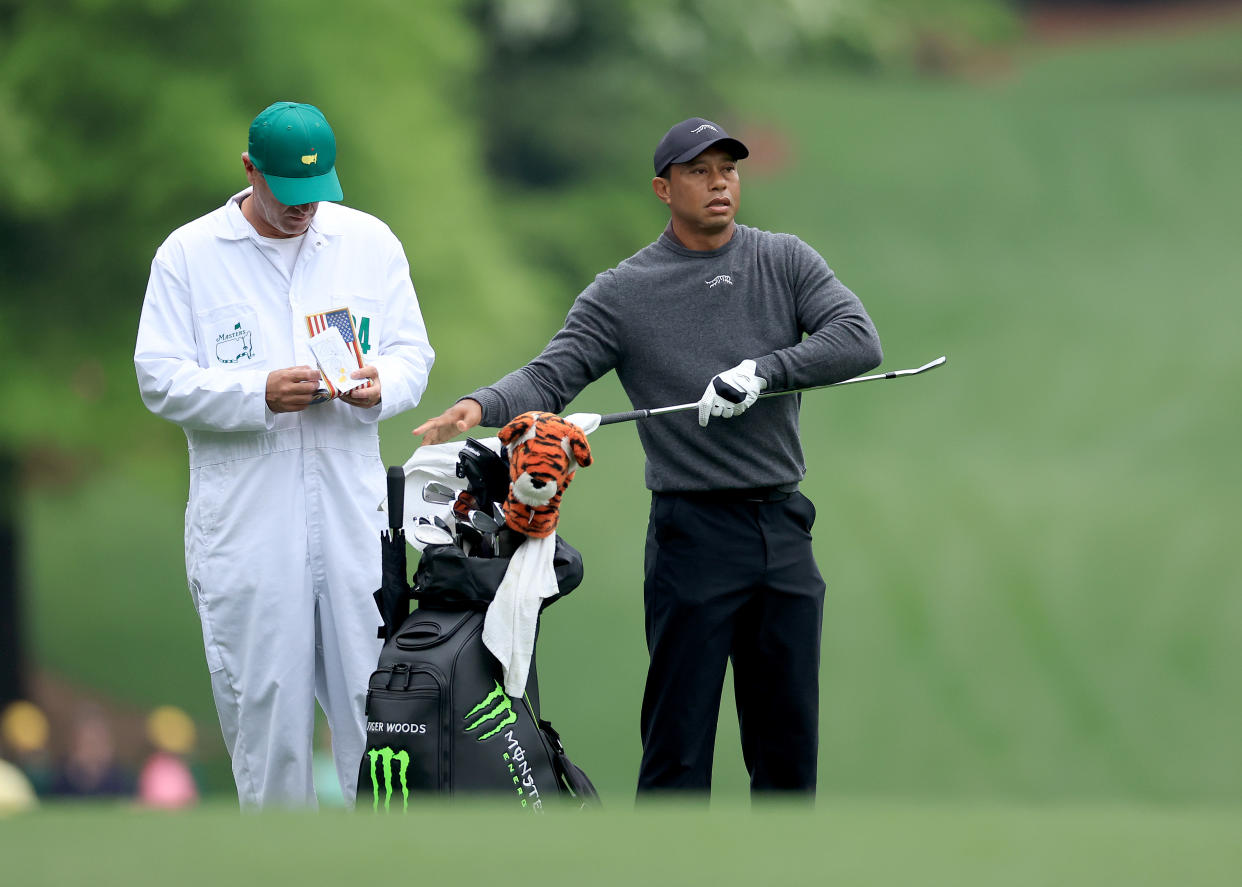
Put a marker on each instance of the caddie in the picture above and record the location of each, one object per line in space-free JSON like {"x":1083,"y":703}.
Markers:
{"x":281,"y":524}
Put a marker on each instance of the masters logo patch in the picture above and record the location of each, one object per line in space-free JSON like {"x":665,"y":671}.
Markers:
{"x":235,"y":344}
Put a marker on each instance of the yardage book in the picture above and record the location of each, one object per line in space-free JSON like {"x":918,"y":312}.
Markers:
{"x":334,"y":342}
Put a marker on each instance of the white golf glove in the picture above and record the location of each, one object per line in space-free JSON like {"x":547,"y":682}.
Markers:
{"x":730,"y":393}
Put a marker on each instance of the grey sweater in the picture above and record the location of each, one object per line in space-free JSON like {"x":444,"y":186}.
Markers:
{"x":668,"y":319}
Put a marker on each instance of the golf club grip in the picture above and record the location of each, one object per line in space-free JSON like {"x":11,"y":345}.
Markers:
{"x":396,"y":497}
{"x":613,"y":418}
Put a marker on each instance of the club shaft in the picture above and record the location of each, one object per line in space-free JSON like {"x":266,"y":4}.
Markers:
{"x":614,"y":418}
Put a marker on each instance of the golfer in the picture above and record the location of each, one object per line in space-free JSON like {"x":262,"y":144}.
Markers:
{"x":729,"y":569}
{"x":281,"y":524}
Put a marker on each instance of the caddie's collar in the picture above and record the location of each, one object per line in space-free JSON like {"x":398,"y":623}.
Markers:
{"x":233,"y":225}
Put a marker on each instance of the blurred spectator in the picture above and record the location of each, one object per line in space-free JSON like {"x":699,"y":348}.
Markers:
{"x":91,"y":770}
{"x":24,"y":736}
{"x":15,"y":791}
{"x":166,"y":780}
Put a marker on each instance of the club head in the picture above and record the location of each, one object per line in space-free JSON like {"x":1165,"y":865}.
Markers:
{"x":939,"y":361}
{"x":484,"y":523}
{"x":471,"y":539}
{"x":432,"y":535}
{"x":439,"y":494}
{"x":485,"y":471}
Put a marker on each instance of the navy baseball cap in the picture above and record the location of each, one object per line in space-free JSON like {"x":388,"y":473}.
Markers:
{"x":690,"y":138}
{"x":294,"y":147}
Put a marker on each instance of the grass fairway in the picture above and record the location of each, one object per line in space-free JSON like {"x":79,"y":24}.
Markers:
{"x":840,"y":843}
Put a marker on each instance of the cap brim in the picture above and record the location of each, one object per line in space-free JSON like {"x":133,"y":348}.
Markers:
{"x":310,"y":189}
{"x":730,"y":144}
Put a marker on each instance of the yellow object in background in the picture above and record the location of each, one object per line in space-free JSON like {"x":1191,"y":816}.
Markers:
{"x":171,"y":730}
{"x":24,"y":727}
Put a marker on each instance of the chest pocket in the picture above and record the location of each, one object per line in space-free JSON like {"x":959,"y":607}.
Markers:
{"x":368,"y":317}
{"x":230,"y":337}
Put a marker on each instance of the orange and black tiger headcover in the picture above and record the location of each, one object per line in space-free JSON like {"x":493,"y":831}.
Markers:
{"x":544,"y":452}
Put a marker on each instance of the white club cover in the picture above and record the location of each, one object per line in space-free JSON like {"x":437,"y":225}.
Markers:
{"x":741,"y":388}
{"x":588,"y":422}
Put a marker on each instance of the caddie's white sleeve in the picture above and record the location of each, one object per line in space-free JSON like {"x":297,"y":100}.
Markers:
{"x":166,"y":359}
{"x":404,"y":355}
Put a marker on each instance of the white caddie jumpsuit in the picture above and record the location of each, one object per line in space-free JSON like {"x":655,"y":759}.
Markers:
{"x":281,"y":528}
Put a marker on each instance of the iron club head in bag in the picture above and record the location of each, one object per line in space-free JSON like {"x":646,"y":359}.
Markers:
{"x":429,"y":534}
{"x":437,"y":493}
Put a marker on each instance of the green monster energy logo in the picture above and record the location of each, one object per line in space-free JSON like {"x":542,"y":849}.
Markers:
{"x":502,"y":712}
{"x":387,"y":755}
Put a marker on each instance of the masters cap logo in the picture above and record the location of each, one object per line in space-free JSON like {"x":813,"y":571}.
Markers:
{"x":294,"y":148}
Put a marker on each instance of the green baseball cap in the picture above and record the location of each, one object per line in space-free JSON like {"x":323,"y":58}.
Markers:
{"x":293,"y":146}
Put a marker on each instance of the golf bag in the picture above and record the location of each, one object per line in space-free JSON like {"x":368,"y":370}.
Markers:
{"x":438,"y":719}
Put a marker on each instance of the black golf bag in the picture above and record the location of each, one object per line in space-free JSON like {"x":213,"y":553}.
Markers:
{"x":438,"y":719}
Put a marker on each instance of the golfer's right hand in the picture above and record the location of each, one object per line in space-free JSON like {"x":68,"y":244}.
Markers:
{"x":291,"y":390}
{"x":731,"y":393}
{"x":461,"y":416}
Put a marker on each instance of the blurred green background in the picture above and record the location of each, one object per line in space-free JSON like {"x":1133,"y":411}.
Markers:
{"x":1032,"y":596}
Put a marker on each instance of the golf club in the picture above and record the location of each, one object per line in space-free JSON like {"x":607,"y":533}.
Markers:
{"x":471,"y":541}
{"x":613,"y":418}
{"x":487,"y":528}
{"x":439,"y":522}
{"x":439,"y":494}
{"x":429,"y":534}
{"x":484,"y":523}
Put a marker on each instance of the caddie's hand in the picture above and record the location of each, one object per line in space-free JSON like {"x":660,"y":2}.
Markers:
{"x":730,"y":393}
{"x":461,"y":416}
{"x":290,"y":390}
{"x":364,"y":397}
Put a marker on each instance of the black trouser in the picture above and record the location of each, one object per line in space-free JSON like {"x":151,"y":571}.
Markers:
{"x":728,"y":579}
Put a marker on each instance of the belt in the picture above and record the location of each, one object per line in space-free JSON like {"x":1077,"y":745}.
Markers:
{"x":778,"y":493}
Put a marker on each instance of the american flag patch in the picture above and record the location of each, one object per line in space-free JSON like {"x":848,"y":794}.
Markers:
{"x":344,"y":323}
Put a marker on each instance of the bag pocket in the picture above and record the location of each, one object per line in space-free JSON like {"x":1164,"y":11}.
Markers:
{"x":405,"y":753}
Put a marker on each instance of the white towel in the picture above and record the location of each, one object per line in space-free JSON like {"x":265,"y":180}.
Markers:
{"x":509,"y":627}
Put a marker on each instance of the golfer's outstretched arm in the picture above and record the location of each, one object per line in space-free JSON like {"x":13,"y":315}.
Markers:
{"x":457,"y":419}
{"x":577,"y":355}
{"x":841,"y":340}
